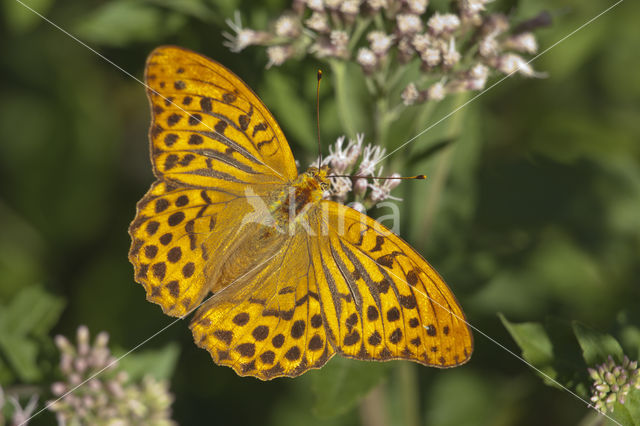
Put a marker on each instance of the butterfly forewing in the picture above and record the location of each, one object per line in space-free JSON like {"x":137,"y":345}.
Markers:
{"x":209,"y":129}
{"x":380,"y":298}
{"x":213,"y":145}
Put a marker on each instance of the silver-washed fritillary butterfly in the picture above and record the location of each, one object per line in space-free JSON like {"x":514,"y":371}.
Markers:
{"x":293,"y":282}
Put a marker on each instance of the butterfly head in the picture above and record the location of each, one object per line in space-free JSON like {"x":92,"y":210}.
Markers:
{"x":319,"y":177}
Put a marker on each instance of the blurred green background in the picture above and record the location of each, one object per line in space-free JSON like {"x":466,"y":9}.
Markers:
{"x":533,"y":211}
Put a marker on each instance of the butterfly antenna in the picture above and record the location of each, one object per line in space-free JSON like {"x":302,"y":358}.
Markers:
{"x":318,"y":118}
{"x":380,"y":177}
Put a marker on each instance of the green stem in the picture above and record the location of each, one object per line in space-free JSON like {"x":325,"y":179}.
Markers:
{"x":406,"y":373}
{"x":354,"y":38}
{"x":381,"y":121}
{"x":441,"y":173}
{"x":339,"y":69}
{"x":422,"y":122}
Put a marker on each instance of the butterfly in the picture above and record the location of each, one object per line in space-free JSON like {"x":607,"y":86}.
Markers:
{"x":280,"y":279}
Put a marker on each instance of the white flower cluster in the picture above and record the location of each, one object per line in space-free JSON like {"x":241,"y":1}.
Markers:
{"x":352,"y":167}
{"x":457,"y":51}
{"x":613,"y":382}
{"x":108,"y":398}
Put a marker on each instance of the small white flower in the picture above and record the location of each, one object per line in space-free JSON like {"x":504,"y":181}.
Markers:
{"x":277,"y":55}
{"x":472,"y":8}
{"x":417,"y":6}
{"x":343,"y":159}
{"x":370,"y":157}
{"x":421,"y":42}
{"x":410,"y":94}
{"x":242,"y":40}
{"x":337,"y":157}
{"x":354,"y":149}
{"x":405,"y":49}
{"x":525,"y":42}
{"x":488,"y":47}
{"x":367,"y":59}
{"x":339,"y":39}
{"x":510,"y":63}
{"x":409,"y":23}
{"x":477,"y":77}
{"x":379,"y":42}
{"x":431,"y":57}
{"x":495,"y":24}
{"x":287,"y":26}
{"x":23,"y":415}
{"x":381,"y":189}
{"x":350,"y":7}
{"x":340,"y":187}
{"x":243,"y":37}
{"x":316,"y":5}
{"x":359,"y":207}
{"x":360,"y":187}
{"x":440,"y":24}
{"x":318,"y":22}
{"x":451,"y":56}
{"x":436,"y":92}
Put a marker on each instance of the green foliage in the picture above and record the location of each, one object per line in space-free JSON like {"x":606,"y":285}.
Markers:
{"x":551,"y":350}
{"x":342,"y":383}
{"x":24,"y":325}
{"x":159,"y":363}
{"x":20,"y":19}
{"x":121,"y":22}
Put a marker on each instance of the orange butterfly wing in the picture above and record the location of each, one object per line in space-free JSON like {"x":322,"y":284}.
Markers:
{"x":380,"y":298}
{"x":212,"y":140}
{"x":268,"y":323}
{"x":208,"y":128}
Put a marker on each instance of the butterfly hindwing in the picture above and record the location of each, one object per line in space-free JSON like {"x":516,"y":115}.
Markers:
{"x":381,"y":299}
{"x":175,"y":234}
{"x":268,"y":323}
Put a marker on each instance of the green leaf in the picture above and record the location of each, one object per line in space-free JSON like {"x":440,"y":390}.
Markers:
{"x":596,"y":346}
{"x":196,"y":8}
{"x":33,"y":311}
{"x":291,"y":110}
{"x":347,"y":81}
{"x":158,"y":363}
{"x":341,"y":383}
{"x":535,"y":344}
{"x":21,"y":354}
{"x":19,"y":19}
{"x":630,"y":337}
{"x":631,"y":407}
{"x":121,"y":22}
{"x":553,"y":351}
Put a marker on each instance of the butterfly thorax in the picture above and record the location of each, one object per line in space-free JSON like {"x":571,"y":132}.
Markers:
{"x":263,"y":235}
{"x":292,"y":203}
